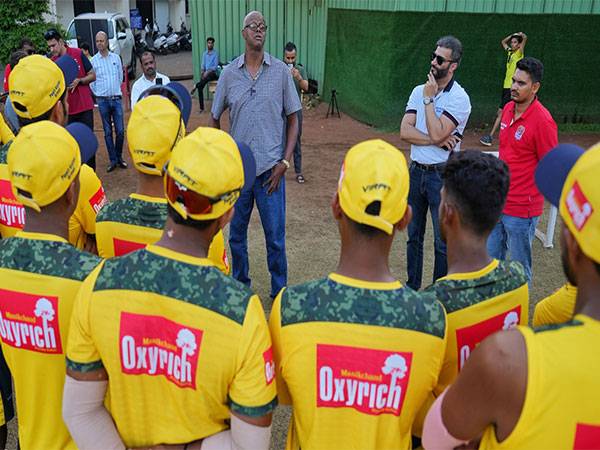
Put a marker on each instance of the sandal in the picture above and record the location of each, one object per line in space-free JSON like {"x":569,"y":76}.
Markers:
{"x":300,"y":179}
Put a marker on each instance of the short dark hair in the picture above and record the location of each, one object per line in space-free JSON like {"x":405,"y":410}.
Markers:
{"x":85,"y":46}
{"x":25,"y":41}
{"x":478,"y":184}
{"x":15,"y":57}
{"x":52,"y":33}
{"x":210,"y":39}
{"x":198,"y":224}
{"x":533,"y":67}
{"x":368,"y":231}
{"x":290,"y":47}
{"x":147,"y":53}
{"x":23,"y":121}
{"x":453,"y":44}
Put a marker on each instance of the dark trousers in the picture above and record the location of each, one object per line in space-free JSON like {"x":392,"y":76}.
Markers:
{"x":297,"y":147}
{"x":87,"y":118}
{"x":424,"y":194}
{"x":209,"y":76}
{"x":111,"y":111}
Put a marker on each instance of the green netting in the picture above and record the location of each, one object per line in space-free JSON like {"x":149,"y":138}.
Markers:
{"x":374,"y":59}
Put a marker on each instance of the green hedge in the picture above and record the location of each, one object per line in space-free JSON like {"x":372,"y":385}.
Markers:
{"x":374,"y":59}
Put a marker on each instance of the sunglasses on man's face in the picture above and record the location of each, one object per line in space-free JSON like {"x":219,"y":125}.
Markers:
{"x":257,"y":27}
{"x":440,"y":59}
{"x":193,"y":202}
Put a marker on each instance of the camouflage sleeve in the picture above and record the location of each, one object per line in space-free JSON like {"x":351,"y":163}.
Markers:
{"x":283,"y":394}
{"x":253,"y":392}
{"x":82,"y":355}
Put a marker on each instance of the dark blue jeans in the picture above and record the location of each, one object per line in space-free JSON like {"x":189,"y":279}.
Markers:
{"x":272,"y":215}
{"x":111,"y":112}
{"x":298,"y":146}
{"x":425,"y":187}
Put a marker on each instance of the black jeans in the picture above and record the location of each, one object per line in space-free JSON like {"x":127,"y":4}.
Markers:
{"x":87,"y":118}
{"x":297,"y":147}
{"x":209,"y":76}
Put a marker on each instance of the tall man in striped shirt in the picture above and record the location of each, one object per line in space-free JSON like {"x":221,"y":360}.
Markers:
{"x":107,"y":89}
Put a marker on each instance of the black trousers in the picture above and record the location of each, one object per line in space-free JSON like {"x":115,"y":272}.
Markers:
{"x":87,"y":118}
{"x":210,"y":76}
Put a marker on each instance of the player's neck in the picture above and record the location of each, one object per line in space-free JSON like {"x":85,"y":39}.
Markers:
{"x":150,"y":185}
{"x":185,"y":239}
{"x":365,"y":260}
{"x":443,"y":82}
{"x":520,"y":108}
{"x":588,"y":294}
{"x":47,"y":223}
{"x":466,"y":253}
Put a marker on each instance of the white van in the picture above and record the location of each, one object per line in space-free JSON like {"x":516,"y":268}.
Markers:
{"x":84,"y":27}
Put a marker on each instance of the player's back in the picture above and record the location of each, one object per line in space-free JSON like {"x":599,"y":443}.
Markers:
{"x":357,"y":359}
{"x":561,"y":408}
{"x":182,"y":344}
{"x":40,"y":275}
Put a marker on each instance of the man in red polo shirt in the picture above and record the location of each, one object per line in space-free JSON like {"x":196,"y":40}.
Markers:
{"x":81,"y":105}
{"x":527,"y":133}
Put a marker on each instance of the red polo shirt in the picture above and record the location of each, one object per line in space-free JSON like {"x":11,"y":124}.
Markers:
{"x":81,"y":98}
{"x":523,"y":142}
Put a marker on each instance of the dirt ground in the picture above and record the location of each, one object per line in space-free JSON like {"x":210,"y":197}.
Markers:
{"x":312,"y":239}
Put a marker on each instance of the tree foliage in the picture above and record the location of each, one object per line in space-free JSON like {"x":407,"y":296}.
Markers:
{"x":19,"y":19}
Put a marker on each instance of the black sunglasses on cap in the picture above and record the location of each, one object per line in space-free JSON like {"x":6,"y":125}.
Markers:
{"x":440,"y":59}
{"x":52,"y":34}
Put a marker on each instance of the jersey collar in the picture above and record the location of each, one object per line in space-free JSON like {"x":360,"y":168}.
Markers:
{"x":40,"y":236}
{"x":362,"y":284}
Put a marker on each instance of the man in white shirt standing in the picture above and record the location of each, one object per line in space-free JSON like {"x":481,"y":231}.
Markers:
{"x":149,"y":78}
{"x":107,"y":89}
{"x":434,"y":121}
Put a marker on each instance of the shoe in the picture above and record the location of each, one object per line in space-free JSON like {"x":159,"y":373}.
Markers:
{"x":122,"y":164}
{"x":110,"y":168}
{"x":192,"y":92}
{"x":486,"y":140}
{"x":300,"y":178}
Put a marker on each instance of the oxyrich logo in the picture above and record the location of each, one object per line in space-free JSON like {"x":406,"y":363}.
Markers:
{"x":580,"y":209}
{"x":98,"y":200}
{"x":12,"y":212}
{"x":122,"y":246}
{"x":269,"y":365}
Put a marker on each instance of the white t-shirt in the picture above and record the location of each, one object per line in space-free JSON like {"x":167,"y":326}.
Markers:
{"x":142,"y":83}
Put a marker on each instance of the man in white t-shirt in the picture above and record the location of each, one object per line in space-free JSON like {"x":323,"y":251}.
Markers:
{"x":149,"y":78}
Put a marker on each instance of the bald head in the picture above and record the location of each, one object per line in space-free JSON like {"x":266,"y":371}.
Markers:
{"x":253,"y":16}
{"x":102,"y":42}
{"x":254,"y":32}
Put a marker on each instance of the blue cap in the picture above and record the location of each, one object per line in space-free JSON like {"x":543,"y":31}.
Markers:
{"x":553,"y":169}
{"x":249,"y":165}
{"x":69,"y":68}
{"x":86,"y":139}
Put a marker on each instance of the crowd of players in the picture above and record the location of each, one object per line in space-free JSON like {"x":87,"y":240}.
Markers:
{"x":164,"y":350}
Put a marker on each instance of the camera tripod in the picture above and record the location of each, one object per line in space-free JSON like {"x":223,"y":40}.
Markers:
{"x":333,"y":105}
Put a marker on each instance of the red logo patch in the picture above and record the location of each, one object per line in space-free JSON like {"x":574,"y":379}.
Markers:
{"x":373,"y":382}
{"x":122,"y":247}
{"x":12,"y":213}
{"x":468,"y":338}
{"x":269,"y":365}
{"x":587,"y":437}
{"x":580,"y":209}
{"x":153,"y":345}
{"x":29,"y":321}
{"x":98,"y":200}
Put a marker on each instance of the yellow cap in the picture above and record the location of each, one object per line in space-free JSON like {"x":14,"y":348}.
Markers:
{"x":155,"y":126}
{"x":43,"y":161}
{"x":580,"y":202}
{"x":374,"y":171}
{"x":208,"y":163}
{"x":35,"y":85}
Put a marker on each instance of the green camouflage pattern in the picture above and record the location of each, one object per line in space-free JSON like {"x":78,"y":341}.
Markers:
{"x":52,"y":258}
{"x":84,"y":367}
{"x":134,"y":211}
{"x":4,"y":152}
{"x":205,"y":286}
{"x":326,"y":300}
{"x":459,"y":294}
{"x":253,"y":411}
{"x":557,"y":326}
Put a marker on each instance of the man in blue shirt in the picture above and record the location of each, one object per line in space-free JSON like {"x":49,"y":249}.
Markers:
{"x":210,"y":62}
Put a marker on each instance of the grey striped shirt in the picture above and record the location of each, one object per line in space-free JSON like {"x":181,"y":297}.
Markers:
{"x":109,"y":75}
{"x":258,"y":108}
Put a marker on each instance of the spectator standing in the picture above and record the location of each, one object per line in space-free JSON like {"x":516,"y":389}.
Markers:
{"x":259,"y":91}
{"x":301,"y":81}
{"x":434,"y":122}
{"x":26,"y":45}
{"x":85,"y":48}
{"x":210,"y":65}
{"x":107,"y":89}
{"x":150,"y":77}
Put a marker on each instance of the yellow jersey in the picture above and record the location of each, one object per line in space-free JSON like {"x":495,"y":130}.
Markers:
{"x":562,"y":402}
{"x":512,"y":58}
{"x":133,"y":222}
{"x":6,"y":134}
{"x":83,"y":221}
{"x":557,"y":307}
{"x":356,"y":360}
{"x":40,"y":275}
{"x":182,"y":343}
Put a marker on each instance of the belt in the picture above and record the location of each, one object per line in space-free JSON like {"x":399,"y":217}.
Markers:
{"x":429,"y":167}
{"x":109,"y":97}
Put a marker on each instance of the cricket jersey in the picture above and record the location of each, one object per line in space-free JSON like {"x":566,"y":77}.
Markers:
{"x":82,"y":222}
{"x":561,"y":407}
{"x":512,"y":58}
{"x":356,"y":360}
{"x":133,"y":222}
{"x":557,"y":307}
{"x":40,"y":275}
{"x":182,"y":343}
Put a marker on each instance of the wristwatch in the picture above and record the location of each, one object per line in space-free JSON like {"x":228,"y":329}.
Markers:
{"x":427,"y":100}
{"x":285,"y":163}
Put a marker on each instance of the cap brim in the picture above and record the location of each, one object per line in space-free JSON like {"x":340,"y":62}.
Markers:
{"x":249,"y":165}
{"x":86,"y":139}
{"x":552,"y":171}
{"x":69,"y":68}
{"x":186,"y":100}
